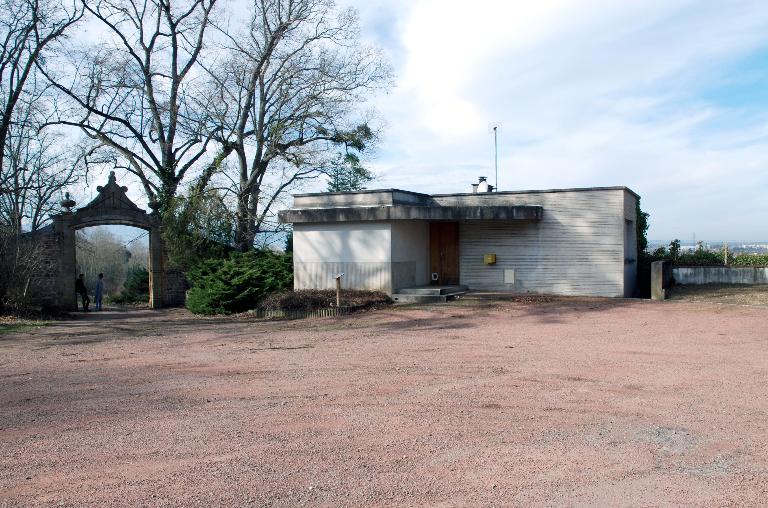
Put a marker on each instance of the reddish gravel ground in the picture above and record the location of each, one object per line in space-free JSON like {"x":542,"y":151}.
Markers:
{"x":566,"y":402}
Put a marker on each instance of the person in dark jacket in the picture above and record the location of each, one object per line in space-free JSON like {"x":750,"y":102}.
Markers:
{"x":82,"y":291}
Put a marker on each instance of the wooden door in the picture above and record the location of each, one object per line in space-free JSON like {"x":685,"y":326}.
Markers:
{"x":444,"y":253}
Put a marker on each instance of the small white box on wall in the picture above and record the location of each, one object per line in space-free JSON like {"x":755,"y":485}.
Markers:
{"x":509,"y":276}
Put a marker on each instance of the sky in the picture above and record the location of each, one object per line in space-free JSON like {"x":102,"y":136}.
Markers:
{"x":666,"y":97}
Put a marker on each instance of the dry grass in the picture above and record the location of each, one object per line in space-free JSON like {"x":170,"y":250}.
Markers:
{"x":10,"y":324}
{"x":738,"y":294}
{"x":316,"y":299}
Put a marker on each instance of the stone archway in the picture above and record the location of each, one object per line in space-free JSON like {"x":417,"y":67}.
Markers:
{"x":111,"y":207}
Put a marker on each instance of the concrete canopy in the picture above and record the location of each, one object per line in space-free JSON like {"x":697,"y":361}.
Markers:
{"x":408,"y":212}
{"x":397,"y":204}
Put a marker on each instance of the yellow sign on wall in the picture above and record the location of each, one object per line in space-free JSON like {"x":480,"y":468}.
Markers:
{"x":489,"y":259}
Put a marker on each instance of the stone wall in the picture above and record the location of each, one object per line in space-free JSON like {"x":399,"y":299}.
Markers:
{"x":44,"y":249}
{"x":175,"y":288}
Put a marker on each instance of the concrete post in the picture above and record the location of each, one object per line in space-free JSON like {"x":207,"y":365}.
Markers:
{"x":661,"y":279}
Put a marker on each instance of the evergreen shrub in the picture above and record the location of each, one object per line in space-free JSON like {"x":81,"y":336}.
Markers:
{"x":748,"y":260}
{"x":135,"y":287}
{"x":237,"y":283}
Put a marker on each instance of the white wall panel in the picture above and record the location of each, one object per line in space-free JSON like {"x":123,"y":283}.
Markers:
{"x":373,"y":276}
{"x":342,"y":242}
{"x":410,"y":254}
{"x":361,"y":251}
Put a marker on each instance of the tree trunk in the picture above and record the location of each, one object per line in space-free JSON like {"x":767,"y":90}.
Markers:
{"x":243,"y":240}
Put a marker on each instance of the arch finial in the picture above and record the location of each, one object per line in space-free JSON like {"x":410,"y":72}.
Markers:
{"x":67,"y":203}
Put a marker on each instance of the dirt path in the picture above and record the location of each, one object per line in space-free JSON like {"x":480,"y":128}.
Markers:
{"x":577,"y":402}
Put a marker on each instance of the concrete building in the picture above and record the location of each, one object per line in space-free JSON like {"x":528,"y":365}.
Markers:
{"x":563,"y":241}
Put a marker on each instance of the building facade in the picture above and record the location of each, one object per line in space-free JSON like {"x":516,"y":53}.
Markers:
{"x":563,"y":241}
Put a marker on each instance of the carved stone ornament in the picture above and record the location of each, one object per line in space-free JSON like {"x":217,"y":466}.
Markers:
{"x":68,"y":203}
{"x":112,"y":197}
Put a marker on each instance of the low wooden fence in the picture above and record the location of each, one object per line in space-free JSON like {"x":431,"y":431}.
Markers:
{"x":303,"y":314}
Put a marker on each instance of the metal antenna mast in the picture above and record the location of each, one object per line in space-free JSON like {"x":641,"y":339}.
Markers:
{"x":496,"y":156}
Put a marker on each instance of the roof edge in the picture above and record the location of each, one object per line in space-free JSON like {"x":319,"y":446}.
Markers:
{"x":542,"y":191}
{"x":535,"y":191}
{"x":364,"y":191}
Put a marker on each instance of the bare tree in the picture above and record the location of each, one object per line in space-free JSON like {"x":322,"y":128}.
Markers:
{"x":37,"y":167}
{"x":131,"y":94}
{"x":38,"y":163}
{"x":28,"y":28}
{"x":285,"y":102}
{"x":21,"y":258}
{"x":30,"y":168}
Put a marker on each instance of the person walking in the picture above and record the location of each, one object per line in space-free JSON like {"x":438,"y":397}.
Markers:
{"x":99,"y":291}
{"x":82,"y":291}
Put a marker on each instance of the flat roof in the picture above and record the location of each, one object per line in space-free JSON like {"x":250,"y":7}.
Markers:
{"x":364,"y":191}
{"x":421,"y":194}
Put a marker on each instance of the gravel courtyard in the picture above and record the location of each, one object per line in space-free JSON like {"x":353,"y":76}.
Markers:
{"x":562,"y":402}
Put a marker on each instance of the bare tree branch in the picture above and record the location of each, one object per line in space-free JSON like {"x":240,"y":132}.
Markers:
{"x":28,"y":28}
{"x":136,"y":96}
{"x":38,"y":166}
{"x":291,"y":87}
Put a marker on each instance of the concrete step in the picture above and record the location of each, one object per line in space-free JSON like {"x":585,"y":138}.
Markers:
{"x":407,"y":298}
{"x":432,"y":290}
{"x":425,"y":298}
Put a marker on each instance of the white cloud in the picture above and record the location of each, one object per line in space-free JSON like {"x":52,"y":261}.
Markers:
{"x":589,"y":93}
{"x":444,"y":40}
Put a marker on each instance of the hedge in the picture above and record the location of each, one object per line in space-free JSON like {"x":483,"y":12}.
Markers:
{"x":707,"y":258}
{"x":748,"y":260}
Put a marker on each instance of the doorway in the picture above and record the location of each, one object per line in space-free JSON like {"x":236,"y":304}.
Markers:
{"x":444,"y":253}
{"x":121,"y":255}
